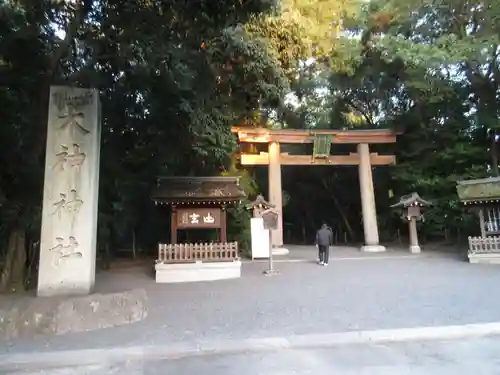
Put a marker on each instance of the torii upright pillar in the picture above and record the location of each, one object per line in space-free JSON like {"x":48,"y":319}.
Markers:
{"x":276,"y":192}
{"x":368,"y":207}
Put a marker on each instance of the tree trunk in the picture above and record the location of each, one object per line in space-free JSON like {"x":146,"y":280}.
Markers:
{"x":82,"y":8}
{"x":347,"y":224}
{"x":107,"y":256}
{"x":336,"y":202}
{"x":108,"y":249}
{"x":134,"y":254}
{"x":304,"y":231}
{"x":31,"y":264}
{"x":12,"y":276}
{"x":310,"y":220}
{"x":494,"y":155}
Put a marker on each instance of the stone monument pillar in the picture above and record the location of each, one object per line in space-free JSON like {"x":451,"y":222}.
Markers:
{"x":368,"y":201}
{"x":69,"y":217}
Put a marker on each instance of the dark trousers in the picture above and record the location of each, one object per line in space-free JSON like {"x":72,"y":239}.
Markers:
{"x":324,"y":253}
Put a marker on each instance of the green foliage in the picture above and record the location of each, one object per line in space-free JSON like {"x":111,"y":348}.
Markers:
{"x":427,"y":68}
{"x":283,"y":36}
{"x":321,"y":22}
{"x":173,"y":76}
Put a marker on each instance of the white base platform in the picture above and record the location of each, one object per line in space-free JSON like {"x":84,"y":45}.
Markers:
{"x":373,"y":248}
{"x":485,"y":258}
{"x":276,"y":251}
{"x":415,"y":249}
{"x":280,"y":251}
{"x":199,"y":271}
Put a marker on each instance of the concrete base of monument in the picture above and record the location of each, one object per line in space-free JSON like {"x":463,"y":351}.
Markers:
{"x":280,"y":251}
{"x":373,"y":248}
{"x":29,"y":317}
{"x":74,"y":289}
{"x":485,"y":258}
{"x":415,"y":249}
{"x":199,"y":271}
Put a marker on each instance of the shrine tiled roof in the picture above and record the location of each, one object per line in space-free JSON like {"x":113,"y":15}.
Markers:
{"x":486,"y":190}
{"x":179,"y":190}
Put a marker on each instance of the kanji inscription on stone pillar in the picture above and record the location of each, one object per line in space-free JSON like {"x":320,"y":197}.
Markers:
{"x":69,"y":218}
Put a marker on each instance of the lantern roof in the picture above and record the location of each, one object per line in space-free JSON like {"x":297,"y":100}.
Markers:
{"x":412,"y":199}
{"x":260,"y":202}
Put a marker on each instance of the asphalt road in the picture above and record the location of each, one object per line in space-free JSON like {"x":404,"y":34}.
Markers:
{"x":349,"y":295}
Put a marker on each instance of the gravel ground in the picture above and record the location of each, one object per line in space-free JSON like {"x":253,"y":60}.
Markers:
{"x":351,"y":294}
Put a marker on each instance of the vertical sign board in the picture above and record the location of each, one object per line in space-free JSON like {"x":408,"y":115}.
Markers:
{"x":69,"y":217}
{"x":270,"y":219}
{"x":260,"y":238}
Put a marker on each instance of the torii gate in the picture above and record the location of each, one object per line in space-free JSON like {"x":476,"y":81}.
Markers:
{"x":274,"y":158}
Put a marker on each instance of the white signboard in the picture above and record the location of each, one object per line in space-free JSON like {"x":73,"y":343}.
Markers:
{"x":260,"y":238}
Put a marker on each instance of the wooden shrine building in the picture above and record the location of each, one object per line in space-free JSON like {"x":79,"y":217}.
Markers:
{"x":482,"y":197}
{"x":198,"y":202}
{"x":322,"y":141}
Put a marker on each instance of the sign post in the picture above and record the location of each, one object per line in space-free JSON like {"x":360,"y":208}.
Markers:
{"x":270,"y":218}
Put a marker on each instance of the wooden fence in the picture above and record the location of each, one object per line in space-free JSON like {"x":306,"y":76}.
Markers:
{"x":192,"y":252}
{"x":484,"y":245}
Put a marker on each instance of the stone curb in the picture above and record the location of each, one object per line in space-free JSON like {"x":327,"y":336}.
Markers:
{"x":87,"y":357}
{"x":339,"y":259}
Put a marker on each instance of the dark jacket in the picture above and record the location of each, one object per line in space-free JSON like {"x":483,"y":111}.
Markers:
{"x":324,"y":236}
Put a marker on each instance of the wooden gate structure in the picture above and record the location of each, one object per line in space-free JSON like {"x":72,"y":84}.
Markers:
{"x":322,"y":140}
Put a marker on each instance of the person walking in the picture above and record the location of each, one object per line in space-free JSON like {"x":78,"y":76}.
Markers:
{"x":324,"y":238}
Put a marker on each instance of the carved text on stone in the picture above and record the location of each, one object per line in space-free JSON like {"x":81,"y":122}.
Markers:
{"x":74,"y":204}
{"x":63,"y":100}
{"x":64,"y":159}
{"x":71,"y":162}
{"x":73,"y":123}
{"x":66,"y":249}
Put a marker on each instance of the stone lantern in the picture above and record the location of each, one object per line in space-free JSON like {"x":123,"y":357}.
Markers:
{"x":411,"y":207}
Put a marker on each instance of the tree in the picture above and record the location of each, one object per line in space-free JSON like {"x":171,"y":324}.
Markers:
{"x":173,"y":77}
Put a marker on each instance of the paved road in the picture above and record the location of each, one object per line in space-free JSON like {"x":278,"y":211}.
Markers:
{"x":480,"y":356}
{"x":304,"y":299}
